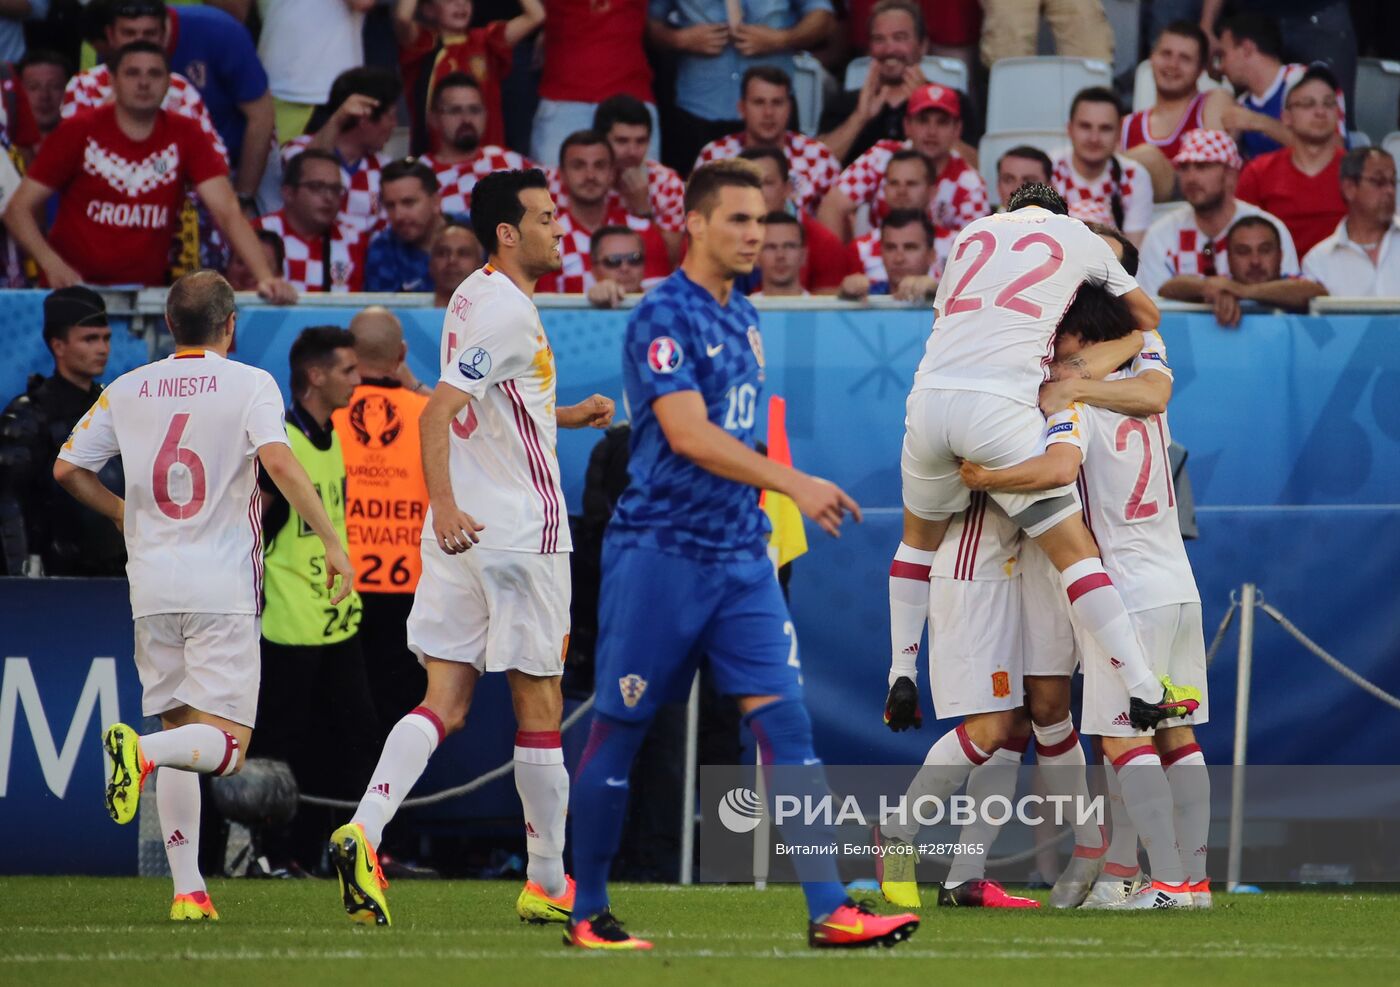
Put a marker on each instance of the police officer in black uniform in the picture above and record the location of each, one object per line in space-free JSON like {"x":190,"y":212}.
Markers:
{"x":42,"y":531}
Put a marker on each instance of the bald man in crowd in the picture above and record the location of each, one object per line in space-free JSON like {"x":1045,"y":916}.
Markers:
{"x":386,"y":498}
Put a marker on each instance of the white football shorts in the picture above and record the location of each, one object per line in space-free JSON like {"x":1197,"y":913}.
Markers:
{"x":1046,"y":629}
{"x":1175,"y":645}
{"x":974,"y":645}
{"x":492,"y":609}
{"x":942,"y":427}
{"x":211,"y":662}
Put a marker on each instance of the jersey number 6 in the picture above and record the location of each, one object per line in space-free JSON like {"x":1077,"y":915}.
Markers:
{"x":170,"y":455}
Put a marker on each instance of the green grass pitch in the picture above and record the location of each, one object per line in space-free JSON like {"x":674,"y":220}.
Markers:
{"x":113,"y":932}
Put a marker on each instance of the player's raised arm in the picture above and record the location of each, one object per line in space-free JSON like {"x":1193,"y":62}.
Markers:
{"x":454,"y":529}
{"x":291,"y":479}
{"x":690,"y":433}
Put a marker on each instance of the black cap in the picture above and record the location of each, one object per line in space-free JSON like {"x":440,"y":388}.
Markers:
{"x":69,"y":307}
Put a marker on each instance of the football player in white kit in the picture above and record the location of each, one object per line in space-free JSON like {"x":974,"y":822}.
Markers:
{"x":1130,"y":505}
{"x":191,"y":430}
{"x":1008,"y":282}
{"x":494,"y":594}
{"x":998,"y":621}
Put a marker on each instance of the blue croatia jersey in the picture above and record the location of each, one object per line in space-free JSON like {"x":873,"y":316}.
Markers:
{"x":681,"y":339}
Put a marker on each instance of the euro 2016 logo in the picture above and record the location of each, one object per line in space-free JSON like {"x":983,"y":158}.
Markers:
{"x":741,"y":810}
{"x":664,"y":355}
{"x":474,"y":364}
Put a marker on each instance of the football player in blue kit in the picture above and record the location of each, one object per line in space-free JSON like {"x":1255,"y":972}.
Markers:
{"x":685,"y":565}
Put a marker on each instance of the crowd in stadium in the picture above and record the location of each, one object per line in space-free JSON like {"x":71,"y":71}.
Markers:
{"x":338,"y":151}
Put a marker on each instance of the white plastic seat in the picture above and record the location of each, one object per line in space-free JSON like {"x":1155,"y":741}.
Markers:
{"x":807,"y":88}
{"x":950,"y":72}
{"x":1377,"y":97}
{"x":1031,"y":93}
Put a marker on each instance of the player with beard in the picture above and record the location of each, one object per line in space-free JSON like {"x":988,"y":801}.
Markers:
{"x":494,"y":593}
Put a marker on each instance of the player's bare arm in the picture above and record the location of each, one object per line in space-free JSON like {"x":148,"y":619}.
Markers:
{"x":1140,"y":397}
{"x":596,"y":411}
{"x":1144,"y":310}
{"x":1097,"y":360}
{"x":291,"y":479}
{"x":691,"y":434}
{"x":88,"y":490}
{"x":454,"y":529}
{"x":1057,"y":466}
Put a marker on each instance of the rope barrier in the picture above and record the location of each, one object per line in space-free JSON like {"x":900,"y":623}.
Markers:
{"x":451,"y":793}
{"x":1224,"y":626}
{"x":1336,"y":666}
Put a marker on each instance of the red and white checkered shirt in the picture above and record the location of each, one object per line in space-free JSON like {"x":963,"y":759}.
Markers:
{"x":360,"y":209}
{"x":94,"y":88}
{"x":576,"y":276}
{"x":959,"y":197}
{"x":664,"y":187}
{"x":1175,"y":245}
{"x":459,"y":178}
{"x":303,"y":268}
{"x":814,"y":169}
{"x":1091,"y":201}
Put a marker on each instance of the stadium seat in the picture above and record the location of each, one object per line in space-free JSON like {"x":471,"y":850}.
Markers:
{"x":1026,"y":93}
{"x":1145,"y":89}
{"x":807,"y":74}
{"x":1377,"y":97}
{"x":993,"y":146}
{"x":1356,"y":138}
{"x":950,"y":72}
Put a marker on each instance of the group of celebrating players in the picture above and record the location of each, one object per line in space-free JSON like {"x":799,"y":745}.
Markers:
{"x":995,"y":498}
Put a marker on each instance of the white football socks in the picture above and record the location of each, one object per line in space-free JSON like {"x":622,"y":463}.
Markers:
{"x":909,"y":592}
{"x":192,"y":747}
{"x":946,"y":766}
{"x":1148,"y":798}
{"x":401,"y":763}
{"x":543,"y":785}
{"x":177,"y":804}
{"x":1100,"y":610}
{"x":1190,"y":783}
{"x":1057,"y":749}
{"x":997,"y":777}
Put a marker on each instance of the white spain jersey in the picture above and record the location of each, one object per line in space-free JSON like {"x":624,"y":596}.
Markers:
{"x":187,"y":428}
{"x":505,"y":471}
{"x":1129,"y":499}
{"x":981,"y":543}
{"x":1006,"y":285}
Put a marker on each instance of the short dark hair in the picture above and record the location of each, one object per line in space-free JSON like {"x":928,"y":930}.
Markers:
{"x":198,"y":306}
{"x":1315,"y":73}
{"x":612,"y":230}
{"x":779,"y":218}
{"x":134,"y":8}
{"x":1246,"y":222}
{"x":583,"y":138}
{"x":453,"y":80}
{"x":1036,"y":194}
{"x":1130,"y":250}
{"x":770,"y":74}
{"x":291,"y":174}
{"x":314,"y":348}
{"x":279,"y":249}
{"x":46,"y":56}
{"x":378,"y":84}
{"x":900,"y":218}
{"x":621,"y":109}
{"x":1184,"y":28}
{"x":914,"y":10}
{"x":702,"y":188}
{"x":909,"y":154}
{"x":1096,"y":94}
{"x":139,"y":48}
{"x":1354,"y":161}
{"x":1260,"y":28}
{"x":1097,"y":315}
{"x":496,"y":200}
{"x":769,"y":154}
{"x":409,"y":168}
{"x":1030,"y":154}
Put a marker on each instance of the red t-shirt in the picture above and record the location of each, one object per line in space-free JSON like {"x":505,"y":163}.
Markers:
{"x":1310,"y":206}
{"x":826,"y":257}
{"x":120,"y":199}
{"x":481,"y":53}
{"x":594,"y":50}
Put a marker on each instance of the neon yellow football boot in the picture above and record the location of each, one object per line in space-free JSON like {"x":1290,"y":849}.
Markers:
{"x":362,"y":880}
{"x":193,"y":907}
{"x":129,"y":771}
{"x":535,"y":905}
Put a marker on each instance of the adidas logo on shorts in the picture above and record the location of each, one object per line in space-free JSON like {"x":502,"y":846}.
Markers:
{"x":1121,"y":720}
